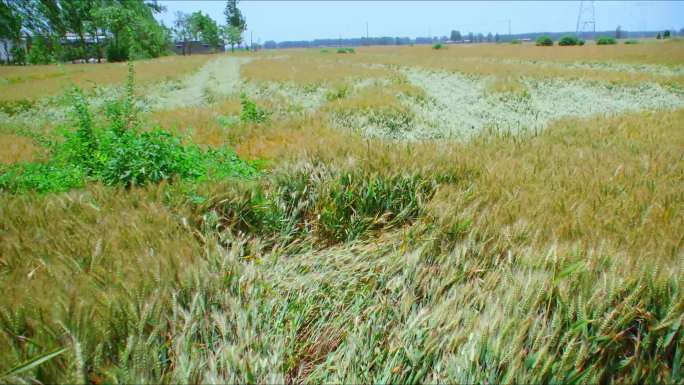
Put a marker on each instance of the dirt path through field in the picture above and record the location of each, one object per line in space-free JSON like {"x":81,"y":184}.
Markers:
{"x":218,"y":78}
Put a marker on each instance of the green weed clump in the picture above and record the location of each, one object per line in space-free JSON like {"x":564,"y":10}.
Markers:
{"x":631,"y":42}
{"x":119,"y":153}
{"x":516,"y":41}
{"x":346,"y":50}
{"x":250,"y":113}
{"x":544,"y":41}
{"x":331,"y":206}
{"x":438,"y":46}
{"x":606,"y":40}
{"x":12,"y":107}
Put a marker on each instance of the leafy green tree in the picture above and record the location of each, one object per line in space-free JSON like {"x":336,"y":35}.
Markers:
{"x":666,"y":34}
{"x":236,"y":24}
{"x":77,"y":14}
{"x":204,"y":28}
{"x":232,"y":35}
{"x":455,"y":36}
{"x":11,"y":22}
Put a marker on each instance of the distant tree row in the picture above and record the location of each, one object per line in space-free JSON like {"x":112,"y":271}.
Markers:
{"x":200,"y":27}
{"x":45,"y":31}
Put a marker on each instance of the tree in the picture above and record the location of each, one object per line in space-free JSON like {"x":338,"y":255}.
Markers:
{"x":471,"y":37}
{"x":490,"y":37}
{"x":236,"y":24}
{"x":132,"y":29}
{"x":497,"y":38}
{"x":232,"y":35}
{"x":681,"y":32}
{"x":618,"y":32}
{"x":666,"y":34}
{"x":11,"y":22}
{"x":181,"y":30}
{"x":480,"y":37}
{"x":456,"y":36}
{"x":76,"y":14}
{"x":658,"y":36}
{"x":204,"y":28}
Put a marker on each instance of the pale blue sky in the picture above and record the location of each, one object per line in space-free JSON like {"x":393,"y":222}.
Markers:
{"x":305,"y":20}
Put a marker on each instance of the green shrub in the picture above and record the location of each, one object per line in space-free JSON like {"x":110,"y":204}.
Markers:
{"x":516,"y":41}
{"x":581,"y":42}
{"x":324,"y":50}
{"x":631,"y":41}
{"x":438,"y":46}
{"x":346,"y":50}
{"x":606,"y":40}
{"x":18,"y":54}
{"x":544,"y":40}
{"x":250,"y":113}
{"x":568,"y":40}
{"x":119,"y":153}
{"x":40,"y":52}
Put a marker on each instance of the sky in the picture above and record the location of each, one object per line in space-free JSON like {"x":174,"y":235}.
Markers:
{"x":307,"y":20}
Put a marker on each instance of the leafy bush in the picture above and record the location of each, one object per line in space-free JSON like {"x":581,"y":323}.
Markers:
{"x":119,"y":154}
{"x":544,"y":40}
{"x":346,"y":50}
{"x":606,"y":40}
{"x":568,"y":40}
{"x":631,"y":41}
{"x":250,"y":113}
{"x":324,"y":50}
{"x":581,"y":42}
{"x":438,"y":46}
{"x":516,"y":41}
{"x":40,"y":52}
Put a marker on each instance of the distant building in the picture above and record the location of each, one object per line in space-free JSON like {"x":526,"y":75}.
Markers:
{"x":196,"y":47}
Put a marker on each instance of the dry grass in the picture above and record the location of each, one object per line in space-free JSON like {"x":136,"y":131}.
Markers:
{"x":549,"y":257}
{"x":307,"y":68}
{"x":30,"y":82}
{"x":488,"y":59}
{"x":15,"y":149}
{"x":202,"y":123}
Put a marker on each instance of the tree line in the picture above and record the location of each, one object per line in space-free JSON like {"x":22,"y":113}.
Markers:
{"x":48,"y":31}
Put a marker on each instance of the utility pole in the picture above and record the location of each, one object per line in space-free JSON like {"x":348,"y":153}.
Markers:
{"x":251,"y":40}
{"x":586,"y":18}
{"x":367,"y":41}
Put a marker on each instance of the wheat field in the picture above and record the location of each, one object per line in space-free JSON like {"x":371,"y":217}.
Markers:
{"x":484,"y":213}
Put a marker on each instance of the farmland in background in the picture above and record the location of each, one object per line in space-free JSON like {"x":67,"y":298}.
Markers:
{"x":480,"y":213}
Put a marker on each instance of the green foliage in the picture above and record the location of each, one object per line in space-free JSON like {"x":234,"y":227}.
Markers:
{"x":544,"y":41}
{"x":569,"y":40}
{"x":235,"y":24}
{"x":346,"y":50}
{"x":438,"y":46}
{"x":337,"y":93}
{"x":41,"y":51}
{"x":666,"y":34}
{"x":324,"y":50}
{"x":335,"y":207}
{"x":515,"y":41}
{"x":605,"y":40}
{"x":119,"y":154}
{"x":204,"y":28}
{"x":12,"y":107}
{"x":631,"y":41}
{"x":250,"y":113}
